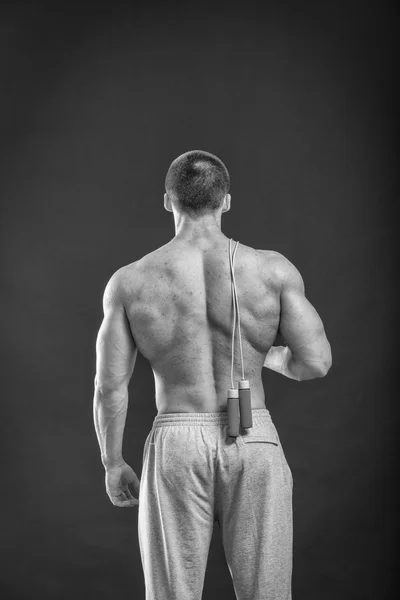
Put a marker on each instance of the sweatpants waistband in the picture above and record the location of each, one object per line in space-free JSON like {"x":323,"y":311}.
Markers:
{"x":205,"y":418}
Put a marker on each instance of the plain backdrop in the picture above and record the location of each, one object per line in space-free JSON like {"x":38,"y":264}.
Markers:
{"x":96,"y":101}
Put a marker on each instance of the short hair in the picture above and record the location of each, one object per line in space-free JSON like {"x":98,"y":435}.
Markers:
{"x":198,"y":181}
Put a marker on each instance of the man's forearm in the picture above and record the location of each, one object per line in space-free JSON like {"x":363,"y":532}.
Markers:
{"x":281,"y":360}
{"x":109,"y":415}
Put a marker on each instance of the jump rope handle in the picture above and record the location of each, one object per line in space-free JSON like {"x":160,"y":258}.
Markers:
{"x":233,"y":413}
{"x":246,"y":417}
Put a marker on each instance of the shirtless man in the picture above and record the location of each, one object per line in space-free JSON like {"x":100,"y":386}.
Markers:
{"x":175,"y":306}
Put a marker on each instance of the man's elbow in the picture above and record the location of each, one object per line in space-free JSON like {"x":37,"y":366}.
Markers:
{"x":110,"y":388}
{"x":322,"y":371}
{"x":326,"y":364}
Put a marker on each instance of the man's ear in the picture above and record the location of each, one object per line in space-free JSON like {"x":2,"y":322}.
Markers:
{"x":227,"y":203}
{"x":167,"y":203}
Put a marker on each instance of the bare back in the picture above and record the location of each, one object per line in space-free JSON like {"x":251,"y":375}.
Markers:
{"x":179,"y":305}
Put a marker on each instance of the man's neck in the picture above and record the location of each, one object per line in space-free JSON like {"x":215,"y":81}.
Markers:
{"x":194,"y":235}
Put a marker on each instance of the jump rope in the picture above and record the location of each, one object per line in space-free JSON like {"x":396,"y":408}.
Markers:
{"x":239,"y":400}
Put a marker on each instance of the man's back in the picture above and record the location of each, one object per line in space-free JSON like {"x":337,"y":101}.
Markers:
{"x":179,"y":303}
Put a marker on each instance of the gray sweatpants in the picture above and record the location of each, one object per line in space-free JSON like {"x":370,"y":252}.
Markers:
{"x":194,"y":474}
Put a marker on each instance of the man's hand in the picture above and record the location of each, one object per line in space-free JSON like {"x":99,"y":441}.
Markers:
{"x":278,"y":359}
{"x":117,"y":482}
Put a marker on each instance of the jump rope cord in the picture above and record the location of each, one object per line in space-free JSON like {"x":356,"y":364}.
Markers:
{"x":235,"y":298}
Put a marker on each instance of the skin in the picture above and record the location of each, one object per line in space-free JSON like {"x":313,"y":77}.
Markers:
{"x":175,"y":306}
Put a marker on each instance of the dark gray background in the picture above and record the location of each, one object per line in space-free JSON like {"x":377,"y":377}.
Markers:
{"x":95,"y":104}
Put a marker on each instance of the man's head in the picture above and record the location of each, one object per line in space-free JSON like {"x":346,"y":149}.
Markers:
{"x":197,"y":184}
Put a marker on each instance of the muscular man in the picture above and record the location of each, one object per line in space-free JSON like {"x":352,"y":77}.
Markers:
{"x":175,"y":306}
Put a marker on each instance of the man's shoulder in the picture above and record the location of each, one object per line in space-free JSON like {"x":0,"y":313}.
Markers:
{"x":283,"y":271}
{"x":272,"y":255}
{"x":275,"y":262}
{"x":120,"y":275}
{"x":147,"y":260}
{"x":122,"y":280}
{"x":131,"y":272}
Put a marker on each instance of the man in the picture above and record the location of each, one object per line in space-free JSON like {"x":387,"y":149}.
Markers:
{"x":175,"y":306}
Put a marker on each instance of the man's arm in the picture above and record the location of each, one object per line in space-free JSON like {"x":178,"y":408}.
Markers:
{"x":308,"y":352}
{"x":116,"y":354}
